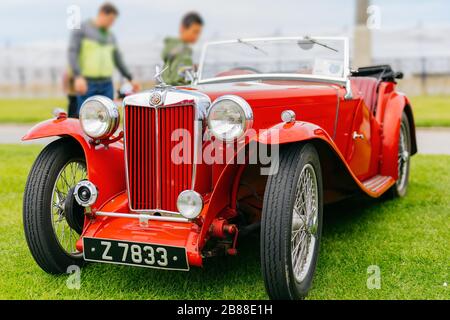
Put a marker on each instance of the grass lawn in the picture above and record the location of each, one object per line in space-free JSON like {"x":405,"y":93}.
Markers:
{"x":28,"y":110}
{"x":408,"y":239}
{"x":429,"y":111}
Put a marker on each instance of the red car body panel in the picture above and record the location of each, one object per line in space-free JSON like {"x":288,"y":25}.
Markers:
{"x":161,"y":232}
{"x":396,"y":104}
{"x":105,"y":165}
{"x":323,"y":116}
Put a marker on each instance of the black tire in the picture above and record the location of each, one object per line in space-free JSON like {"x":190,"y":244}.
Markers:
{"x":399,"y":189}
{"x":276,"y":228}
{"x":44,"y":245}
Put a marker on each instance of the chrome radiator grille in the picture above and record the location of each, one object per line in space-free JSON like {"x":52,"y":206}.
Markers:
{"x":154,"y":180}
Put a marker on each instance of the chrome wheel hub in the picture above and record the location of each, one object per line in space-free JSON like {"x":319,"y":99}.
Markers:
{"x":305,"y":219}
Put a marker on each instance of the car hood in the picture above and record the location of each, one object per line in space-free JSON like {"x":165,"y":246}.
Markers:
{"x":271,"y":93}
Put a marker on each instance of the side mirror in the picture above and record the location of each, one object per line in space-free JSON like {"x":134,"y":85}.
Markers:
{"x":398,"y":75}
{"x":189,"y":74}
{"x":59,"y":113}
{"x":125,"y":90}
{"x":305,"y":44}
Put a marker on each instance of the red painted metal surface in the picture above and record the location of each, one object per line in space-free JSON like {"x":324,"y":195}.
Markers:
{"x":105,"y":165}
{"x":391,"y":132}
{"x":313,"y":102}
{"x":156,"y":232}
{"x":301,"y":131}
{"x":322,"y":113}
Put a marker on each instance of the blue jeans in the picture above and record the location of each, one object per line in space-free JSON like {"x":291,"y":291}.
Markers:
{"x":102,"y":88}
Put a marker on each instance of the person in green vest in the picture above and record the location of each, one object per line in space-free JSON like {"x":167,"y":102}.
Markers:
{"x":177,"y":52}
{"x":93,"y":56}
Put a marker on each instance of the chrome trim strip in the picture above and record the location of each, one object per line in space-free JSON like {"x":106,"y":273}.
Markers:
{"x":274,"y":39}
{"x":141,"y":216}
{"x":171,"y":97}
{"x":274,"y":76}
{"x":198,"y":133}
{"x":336,"y":119}
{"x":158,"y":162}
{"x":349,"y":91}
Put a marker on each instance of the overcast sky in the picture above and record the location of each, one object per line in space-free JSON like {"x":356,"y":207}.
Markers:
{"x":27,"y":21}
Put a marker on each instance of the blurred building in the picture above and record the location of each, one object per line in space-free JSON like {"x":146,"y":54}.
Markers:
{"x":421,"y":51}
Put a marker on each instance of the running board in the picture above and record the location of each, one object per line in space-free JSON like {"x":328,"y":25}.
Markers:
{"x":378,"y":184}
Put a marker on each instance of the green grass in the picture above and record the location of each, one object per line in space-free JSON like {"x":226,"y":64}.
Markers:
{"x":408,"y":239}
{"x":28,"y":110}
{"x":429,"y":111}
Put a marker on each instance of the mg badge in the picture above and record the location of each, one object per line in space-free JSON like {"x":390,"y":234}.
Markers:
{"x":155,"y":99}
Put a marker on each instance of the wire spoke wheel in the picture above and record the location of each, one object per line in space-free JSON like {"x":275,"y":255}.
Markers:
{"x":304,"y":222}
{"x":403,"y":157}
{"x":72,"y":173}
{"x":399,"y":189}
{"x":52,"y":219}
{"x":291,"y":223}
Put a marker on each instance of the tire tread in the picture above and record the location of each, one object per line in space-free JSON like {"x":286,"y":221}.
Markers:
{"x":273,"y":230}
{"x":34,"y":207}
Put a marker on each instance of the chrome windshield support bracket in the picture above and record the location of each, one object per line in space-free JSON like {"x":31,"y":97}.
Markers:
{"x":348,"y":88}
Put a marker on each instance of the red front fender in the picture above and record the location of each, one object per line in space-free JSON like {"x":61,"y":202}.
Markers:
{"x":283,"y":133}
{"x":224,"y":192}
{"x":105,"y":165}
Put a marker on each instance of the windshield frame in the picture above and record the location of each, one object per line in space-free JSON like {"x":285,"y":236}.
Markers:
{"x":289,"y":76}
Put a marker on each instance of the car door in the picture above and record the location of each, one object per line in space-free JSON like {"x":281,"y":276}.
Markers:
{"x":359,"y":151}
{"x":354,"y":135}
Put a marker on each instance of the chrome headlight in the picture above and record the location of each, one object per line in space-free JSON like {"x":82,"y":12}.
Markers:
{"x":99,"y":117}
{"x":229,"y":117}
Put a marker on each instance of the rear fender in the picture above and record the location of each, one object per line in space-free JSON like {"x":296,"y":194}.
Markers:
{"x":396,"y":105}
{"x":105,"y":165}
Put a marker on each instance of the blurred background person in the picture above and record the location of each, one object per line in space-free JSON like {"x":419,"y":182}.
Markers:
{"x":69,"y":91}
{"x":177,"y":52}
{"x":93,"y":55}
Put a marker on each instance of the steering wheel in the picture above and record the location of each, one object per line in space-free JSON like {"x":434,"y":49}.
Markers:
{"x":245,"y":68}
{"x":238,"y":71}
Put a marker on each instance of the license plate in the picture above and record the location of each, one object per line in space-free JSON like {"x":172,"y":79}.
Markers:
{"x":135,"y":254}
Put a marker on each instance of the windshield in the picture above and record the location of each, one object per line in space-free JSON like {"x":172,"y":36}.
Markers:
{"x":308,"y":57}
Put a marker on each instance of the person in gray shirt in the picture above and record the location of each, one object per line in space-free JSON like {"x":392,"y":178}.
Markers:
{"x":93,"y":56}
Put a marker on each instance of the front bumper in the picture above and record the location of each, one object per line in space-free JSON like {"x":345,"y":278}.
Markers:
{"x":109,"y":224}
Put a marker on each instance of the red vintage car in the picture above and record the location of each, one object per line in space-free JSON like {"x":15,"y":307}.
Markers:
{"x":270,"y":130}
